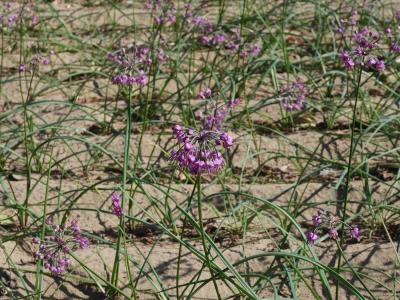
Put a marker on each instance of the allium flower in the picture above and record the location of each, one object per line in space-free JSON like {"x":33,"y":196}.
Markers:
{"x":116,"y":204}
{"x":163,"y":10}
{"x":363,"y":51}
{"x":293,"y":96}
{"x":219,"y":38}
{"x":203,"y":24}
{"x":205,"y":93}
{"x":333,"y":234}
{"x":355,"y":233}
{"x":351,"y":21}
{"x":311,"y":237}
{"x":162,"y":57}
{"x":380,"y":65}
{"x":216,"y":119}
{"x":317,"y":219}
{"x":12,"y":20}
{"x":188,"y":11}
{"x":347,"y":60}
{"x":366,"y":39}
{"x":34,"y":20}
{"x":326,"y":221}
{"x":376,"y":64}
{"x":206,"y":40}
{"x":9,"y":17}
{"x":254,"y":50}
{"x":197,"y":153}
{"x":250,"y":50}
{"x":198,"y":149}
{"x":22,"y":67}
{"x":395,"y":47}
{"x":54,"y":249}
{"x":130,"y":64}
{"x":231,"y":45}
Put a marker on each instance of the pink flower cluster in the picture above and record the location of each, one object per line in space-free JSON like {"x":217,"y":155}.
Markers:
{"x":163,"y":11}
{"x":131,"y":62}
{"x":231,"y":42}
{"x":392,"y":35}
{"x":116,"y":204}
{"x":324,"y":220}
{"x":125,"y":79}
{"x":197,"y":152}
{"x":35,"y":61}
{"x":215,"y":118}
{"x":345,"y":23}
{"x":9,"y":17}
{"x":363,"y":43}
{"x":201,"y":23}
{"x":54,"y":249}
{"x":211,"y":36}
{"x":293,"y":96}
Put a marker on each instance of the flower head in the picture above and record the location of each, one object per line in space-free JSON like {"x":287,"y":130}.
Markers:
{"x":205,"y":93}
{"x":198,"y":149}
{"x":116,"y":204}
{"x":317,"y":220}
{"x":130,"y":64}
{"x":355,"y":233}
{"x":347,"y":60}
{"x":333,"y":233}
{"x":311,"y":237}
{"x":54,"y":249}
{"x":294,"y":96}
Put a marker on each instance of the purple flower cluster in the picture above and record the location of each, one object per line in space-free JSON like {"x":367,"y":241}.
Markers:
{"x":204,"y":94}
{"x":35,"y":62}
{"x":392,"y":35}
{"x":344,"y":24}
{"x":201,"y":23}
{"x":163,"y":10}
{"x":9,"y":17}
{"x":215,"y":118}
{"x":54,"y":249}
{"x":362,"y":47}
{"x":130,"y":64}
{"x":231,"y":42}
{"x":211,"y":36}
{"x":325,"y":221}
{"x":125,"y":79}
{"x":116,"y":204}
{"x":197,"y":151}
{"x":293,"y":96}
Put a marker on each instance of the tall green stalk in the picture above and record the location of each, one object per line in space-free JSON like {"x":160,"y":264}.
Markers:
{"x":121,"y":228}
{"x":39,"y":264}
{"x":353,"y":145}
{"x":202,"y":233}
{"x":178,"y":268}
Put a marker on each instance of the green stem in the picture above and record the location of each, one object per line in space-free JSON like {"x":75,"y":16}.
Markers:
{"x":348,"y":177}
{"x":180,"y":244}
{"x":121,"y":235}
{"x":203,"y":239}
{"x":39,"y":265}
